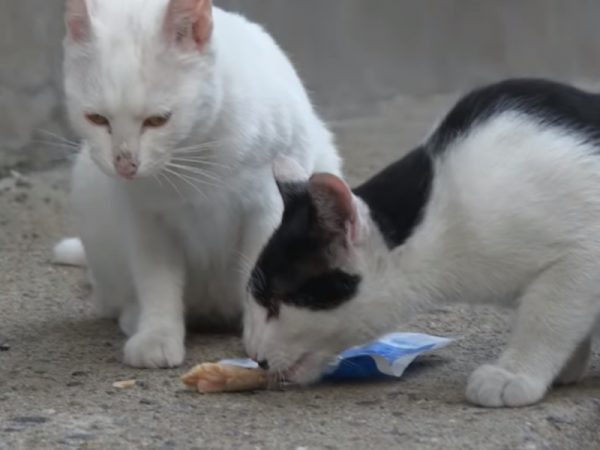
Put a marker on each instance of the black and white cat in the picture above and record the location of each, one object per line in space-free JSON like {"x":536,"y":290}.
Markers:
{"x":500,"y":204}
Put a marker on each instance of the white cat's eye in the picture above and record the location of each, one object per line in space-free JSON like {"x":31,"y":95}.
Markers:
{"x":98,"y":119}
{"x":156,"y":121}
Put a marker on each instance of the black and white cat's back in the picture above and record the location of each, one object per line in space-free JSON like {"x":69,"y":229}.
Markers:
{"x":548,"y":102}
{"x":398,"y":195}
{"x":500,"y":204}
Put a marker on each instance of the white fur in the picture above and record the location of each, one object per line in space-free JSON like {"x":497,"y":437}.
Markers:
{"x":69,"y":252}
{"x":166,"y":245}
{"x":514,"y":220}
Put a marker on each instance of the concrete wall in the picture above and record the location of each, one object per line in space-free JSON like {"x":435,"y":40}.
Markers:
{"x":351,"y":53}
{"x":30,"y":89}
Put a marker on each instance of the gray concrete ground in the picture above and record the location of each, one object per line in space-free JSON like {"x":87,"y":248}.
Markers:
{"x":58,"y":362}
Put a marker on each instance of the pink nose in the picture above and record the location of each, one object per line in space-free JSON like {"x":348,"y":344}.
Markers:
{"x":126,"y":166}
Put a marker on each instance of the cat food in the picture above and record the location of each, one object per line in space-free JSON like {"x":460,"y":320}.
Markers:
{"x":124,"y":384}
{"x":219,"y":377}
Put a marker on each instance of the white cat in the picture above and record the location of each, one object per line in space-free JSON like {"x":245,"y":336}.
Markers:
{"x":182,"y":107}
{"x":501,"y":204}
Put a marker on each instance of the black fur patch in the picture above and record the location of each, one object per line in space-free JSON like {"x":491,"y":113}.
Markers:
{"x":326,"y":291}
{"x":397,"y":196}
{"x":294,"y":267}
{"x":549,"y":102}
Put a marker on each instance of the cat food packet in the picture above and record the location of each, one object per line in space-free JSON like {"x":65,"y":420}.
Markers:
{"x":388,"y":356}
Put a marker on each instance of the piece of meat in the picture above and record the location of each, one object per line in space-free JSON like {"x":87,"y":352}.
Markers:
{"x":216,"y":377}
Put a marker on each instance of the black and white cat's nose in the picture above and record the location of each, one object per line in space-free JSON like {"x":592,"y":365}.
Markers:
{"x":263,"y":364}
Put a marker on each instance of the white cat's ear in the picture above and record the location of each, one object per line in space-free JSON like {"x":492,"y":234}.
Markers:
{"x":334,"y":203}
{"x":189,"y":22}
{"x":77,"y":20}
{"x":288,"y":170}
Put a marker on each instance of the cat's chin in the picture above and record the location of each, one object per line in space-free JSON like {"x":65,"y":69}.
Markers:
{"x":307,"y":370}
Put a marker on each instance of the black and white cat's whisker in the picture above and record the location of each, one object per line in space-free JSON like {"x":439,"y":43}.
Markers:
{"x":245,"y":260}
{"x":251,"y":273}
{"x":243,"y":269}
{"x":255,"y":274}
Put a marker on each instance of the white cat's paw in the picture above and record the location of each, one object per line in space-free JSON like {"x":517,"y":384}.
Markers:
{"x":493,"y":386}
{"x":153,"y":349}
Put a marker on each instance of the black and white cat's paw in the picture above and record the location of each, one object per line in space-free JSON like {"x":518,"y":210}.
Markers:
{"x":494,"y":386}
{"x":155,"y":348}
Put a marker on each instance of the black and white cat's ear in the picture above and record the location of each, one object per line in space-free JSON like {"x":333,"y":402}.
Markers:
{"x":77,"y":20}
{"x":334,"y":204}
{"x":189,"y":23}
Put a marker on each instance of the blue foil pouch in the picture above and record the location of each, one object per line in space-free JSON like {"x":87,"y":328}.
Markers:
{"x":388,"y":356}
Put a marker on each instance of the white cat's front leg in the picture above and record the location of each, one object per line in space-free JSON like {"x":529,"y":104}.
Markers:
{"x":158,"y":268}
{"x":555,"y":317}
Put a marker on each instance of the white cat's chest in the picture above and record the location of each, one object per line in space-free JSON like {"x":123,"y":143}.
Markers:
{"x":200,"y":223}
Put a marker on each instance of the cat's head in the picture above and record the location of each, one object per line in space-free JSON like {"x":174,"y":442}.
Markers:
{"x":139,"y":77}
{"x":309,"y":291}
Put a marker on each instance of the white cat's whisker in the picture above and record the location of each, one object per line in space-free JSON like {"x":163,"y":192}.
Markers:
{"x":201,"y":161}
{"x":188,"y":181}
{"x":171,"y":183}
{"x":157,"y":179}
{"x":198,"y":147}
{"x":59,"y":137}
{"x":197,"y":178}
{"x":200,"y":181}
{"x":154,"y":164}
{"x":60,"y":145}
{"x":195,"y":170}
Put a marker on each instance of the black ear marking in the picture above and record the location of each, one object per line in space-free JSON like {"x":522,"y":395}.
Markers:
{"x":284,"y":189}
{"x":291,"y":191}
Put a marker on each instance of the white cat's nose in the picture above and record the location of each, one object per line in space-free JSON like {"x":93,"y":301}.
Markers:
{"x":126,"y":165}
